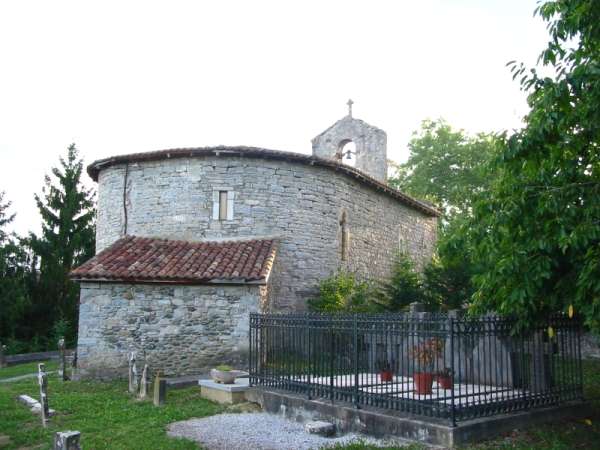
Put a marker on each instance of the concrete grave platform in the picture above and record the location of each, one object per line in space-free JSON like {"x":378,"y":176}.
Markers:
{"x":388,"y":423}
{"x":227,"y":394}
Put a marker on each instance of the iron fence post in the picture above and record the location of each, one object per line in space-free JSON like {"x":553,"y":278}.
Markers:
{"x":453,"y":408}
{"x":355,"y":332}
{"x":250,"y":371}
{"x":309,"y":371}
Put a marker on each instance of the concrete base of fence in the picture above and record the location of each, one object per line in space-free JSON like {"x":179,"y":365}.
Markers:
{"x":382,"y":423}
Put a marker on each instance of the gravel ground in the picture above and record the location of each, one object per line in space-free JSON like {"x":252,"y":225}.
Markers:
{"x":257,"y":431}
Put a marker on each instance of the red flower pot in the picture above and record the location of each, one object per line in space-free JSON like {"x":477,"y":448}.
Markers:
{"x":445,"y":381}
{"x":386,"y":376}
{"x":423,"y":382}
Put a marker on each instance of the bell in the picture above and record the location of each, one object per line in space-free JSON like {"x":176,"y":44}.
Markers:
{"x":348,"y":154}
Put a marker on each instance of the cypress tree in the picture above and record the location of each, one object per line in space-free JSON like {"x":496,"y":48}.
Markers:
{"x":66,"y":241}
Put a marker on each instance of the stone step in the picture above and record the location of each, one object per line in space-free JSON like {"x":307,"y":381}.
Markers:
{"x":320,"y":427}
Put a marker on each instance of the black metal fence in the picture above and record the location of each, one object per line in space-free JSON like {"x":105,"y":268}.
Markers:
{"x":445,"y":366}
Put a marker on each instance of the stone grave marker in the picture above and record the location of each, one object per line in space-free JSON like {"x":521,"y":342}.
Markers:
{"x":160,"y":390}
{"x":2,"y":356}
{"x":133,"y":379}
{"x":144,"y":383}
{"x":43,"y":382}
{"x":67,"y":440}
{"x":62,"y":366}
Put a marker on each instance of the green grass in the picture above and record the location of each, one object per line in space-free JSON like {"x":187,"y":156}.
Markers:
{"x":107,"y":416}
{"x":24,"y":369}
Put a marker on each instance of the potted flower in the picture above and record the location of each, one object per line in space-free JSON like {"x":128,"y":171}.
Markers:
{"x":425,"y":354}
{"x":223,"y":374}
{"x":385,"y":371}
{"x":444,"y":378}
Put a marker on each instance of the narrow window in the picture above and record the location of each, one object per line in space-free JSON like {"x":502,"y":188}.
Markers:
{"x":344,"y":237}
{"x":222,"y":205}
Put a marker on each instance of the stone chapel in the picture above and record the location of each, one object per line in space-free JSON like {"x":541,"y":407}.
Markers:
{"x":192,"y":240}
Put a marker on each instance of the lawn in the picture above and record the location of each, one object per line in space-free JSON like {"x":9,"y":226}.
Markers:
{"x":109,"y":417}
{"x":24,"y":369}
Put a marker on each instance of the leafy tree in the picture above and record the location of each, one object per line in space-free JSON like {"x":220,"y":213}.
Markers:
{"x":446,"y":166}
{"x":13,"y":277}
{"x":536,"y":234}
{"x":404,"y":287}
{"x":67,"y":240}
{"x":343,"y":293}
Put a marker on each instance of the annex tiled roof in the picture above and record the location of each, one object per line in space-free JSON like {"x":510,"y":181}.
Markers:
{"x":150,"y":260}
{"x":254,"y":152}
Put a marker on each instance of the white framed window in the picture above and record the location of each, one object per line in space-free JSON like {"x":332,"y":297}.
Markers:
{"x":223,"y":199}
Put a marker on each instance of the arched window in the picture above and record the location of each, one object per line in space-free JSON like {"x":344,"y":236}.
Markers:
{"x":347,"y":152}
{"x":345,"y":236}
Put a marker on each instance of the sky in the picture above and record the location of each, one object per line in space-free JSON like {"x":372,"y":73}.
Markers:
{"x":119,"y":77}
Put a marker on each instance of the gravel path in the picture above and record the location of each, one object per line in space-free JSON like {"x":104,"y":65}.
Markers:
{"x":256,"y":431}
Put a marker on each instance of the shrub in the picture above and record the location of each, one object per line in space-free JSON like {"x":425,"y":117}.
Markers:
{"x":342,"y":292}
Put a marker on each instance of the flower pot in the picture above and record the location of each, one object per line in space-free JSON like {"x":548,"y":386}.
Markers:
{"x":423,"y":382}
{"x":225,"y":377}
{"x":445,"y":381}
{"x":386,"y":376}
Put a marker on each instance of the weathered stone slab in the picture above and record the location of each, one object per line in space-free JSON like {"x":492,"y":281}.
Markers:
{"x":2,"y":355}
{"x":320,"y":427}
{"x":67,"y":440}
{"x":43,"y":383}
{"x":492,"y":362}
{"x":224,"y":393}
{"x":160,"y":390}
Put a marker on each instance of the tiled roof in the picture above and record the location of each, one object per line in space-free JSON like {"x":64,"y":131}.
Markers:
{"x":253,"y":152}
{"x":150,"y":260}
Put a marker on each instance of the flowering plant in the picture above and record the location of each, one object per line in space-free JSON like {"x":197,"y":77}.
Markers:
{"x":427,"y":352}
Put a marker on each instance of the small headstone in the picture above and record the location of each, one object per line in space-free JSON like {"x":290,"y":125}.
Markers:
{"x":319,"y":427}
{"x":43,"y":382}
{"x":2,"y":356}
{"x":416,"y":307}
{"x":74,"y":373}
{"x":62,"y":366}
{"x":160,"y":390}
{"x":492,"y":362}
{"x":4,"y":440}
{"x":133,"y":380}
{"x":144,"y":383}
{"x":67,"y":440}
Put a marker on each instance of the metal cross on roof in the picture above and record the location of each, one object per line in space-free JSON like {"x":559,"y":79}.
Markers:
{"x":350,"y":103}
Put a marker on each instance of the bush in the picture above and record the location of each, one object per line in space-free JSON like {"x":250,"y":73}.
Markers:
{"x":404,"y":287}
{"x":344,"y":293}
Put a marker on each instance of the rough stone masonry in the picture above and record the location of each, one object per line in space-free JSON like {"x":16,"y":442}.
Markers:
{"x":324,"y":215}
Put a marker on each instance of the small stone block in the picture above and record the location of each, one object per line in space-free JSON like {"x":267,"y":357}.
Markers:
{"x":67,"y":440}
{"x":160,"y":391}
{"x":319,"y":427}
{"x":227,"y":394}
{"x":4,"y":440}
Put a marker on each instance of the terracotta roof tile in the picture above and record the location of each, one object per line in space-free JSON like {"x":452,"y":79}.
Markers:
{"x":151,"y":260}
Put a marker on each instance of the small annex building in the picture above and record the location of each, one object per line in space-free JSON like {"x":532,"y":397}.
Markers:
{"x":191,"y":241}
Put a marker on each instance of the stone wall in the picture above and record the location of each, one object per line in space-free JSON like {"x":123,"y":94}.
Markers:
{"x":182,"y":329}
{"x":300,"y":203}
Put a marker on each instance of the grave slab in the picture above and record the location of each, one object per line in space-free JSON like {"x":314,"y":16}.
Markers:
{"x":227,"y":394}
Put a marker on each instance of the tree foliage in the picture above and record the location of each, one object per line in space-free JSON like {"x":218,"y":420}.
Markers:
{"x":14,"y":274}
{"x":446,"y":166}
{"x":536,"y":234}
{"x":67,"y":240}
